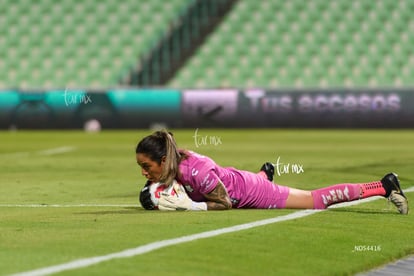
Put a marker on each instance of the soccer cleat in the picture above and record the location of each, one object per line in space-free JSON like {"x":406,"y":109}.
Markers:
{"x":400,"y":201}
{"x":394,"y":193}
{"x":269,"y":170}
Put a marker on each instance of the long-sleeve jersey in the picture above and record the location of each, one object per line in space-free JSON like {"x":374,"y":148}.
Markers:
{"x":200,"y":175}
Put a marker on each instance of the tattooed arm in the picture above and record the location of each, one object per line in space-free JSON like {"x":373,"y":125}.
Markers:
{"x":218,"y":199}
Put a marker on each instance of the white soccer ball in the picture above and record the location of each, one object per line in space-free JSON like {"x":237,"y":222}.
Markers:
{"x":92,"y":126}
{"x":156,"y":189}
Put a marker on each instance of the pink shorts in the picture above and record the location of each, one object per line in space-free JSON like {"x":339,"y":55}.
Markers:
{"x":256,"y":192}
{"x":275,"y":198}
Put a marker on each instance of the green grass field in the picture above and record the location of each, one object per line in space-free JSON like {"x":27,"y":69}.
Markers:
{"x":89,"y":184}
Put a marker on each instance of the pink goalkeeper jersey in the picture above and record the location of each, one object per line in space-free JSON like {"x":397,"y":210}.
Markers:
{"x":200,"y":175}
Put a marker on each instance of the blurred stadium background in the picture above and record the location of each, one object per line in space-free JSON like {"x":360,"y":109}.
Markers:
{"x":197,"y":64}
{"x":120,"y":54}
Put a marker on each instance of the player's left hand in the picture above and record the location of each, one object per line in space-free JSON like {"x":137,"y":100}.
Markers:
{"x":179,"y":202}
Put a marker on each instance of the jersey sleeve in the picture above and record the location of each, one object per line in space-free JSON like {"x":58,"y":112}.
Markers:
{"x":204,"y":176}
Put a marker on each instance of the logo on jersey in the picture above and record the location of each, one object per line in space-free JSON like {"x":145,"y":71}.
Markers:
{"x":207,"y":182}
{"x":194,"y":172}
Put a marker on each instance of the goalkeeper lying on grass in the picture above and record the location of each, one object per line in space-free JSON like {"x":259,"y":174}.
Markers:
{"x":211,"y":187}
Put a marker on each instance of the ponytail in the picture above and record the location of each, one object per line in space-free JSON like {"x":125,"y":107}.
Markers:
{"x":172,"y":158}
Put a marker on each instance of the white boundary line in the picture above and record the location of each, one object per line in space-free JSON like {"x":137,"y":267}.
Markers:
{"x":80,"y":263}
{"x":51,"y":151}
{"x":160,"y":244}
{"x":411,"y":189}
{"x":54,"y":151}
{"x":15,"y":154}
{"x":66,"y":205}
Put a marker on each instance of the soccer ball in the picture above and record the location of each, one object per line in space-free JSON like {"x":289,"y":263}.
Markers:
{"x":92,"y":126}
{"x":157,"y":188}
{"x":151,"y":193}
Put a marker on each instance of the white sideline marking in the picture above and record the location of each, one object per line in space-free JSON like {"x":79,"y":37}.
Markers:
{"x":66,"y":205}
{"x":15,"y":154}
{"x":339,"y":205}
{"x":56,"y":150}
{"x":160,"y":244}
{"x":51,"y":151}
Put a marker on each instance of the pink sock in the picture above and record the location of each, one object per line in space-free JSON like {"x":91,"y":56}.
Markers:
{"x":324,"y":197}
{"x":372,"y":189}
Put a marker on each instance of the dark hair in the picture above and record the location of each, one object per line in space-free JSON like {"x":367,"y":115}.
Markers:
{"x":158,"y":145}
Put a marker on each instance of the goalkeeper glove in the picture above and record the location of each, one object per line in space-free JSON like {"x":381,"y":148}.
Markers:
{"x":179,"y":202}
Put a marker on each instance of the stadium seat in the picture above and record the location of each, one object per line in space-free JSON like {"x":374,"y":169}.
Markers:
{"x":62,"y":31}
{"x":311,"y":43}
{"x":273,"y":42}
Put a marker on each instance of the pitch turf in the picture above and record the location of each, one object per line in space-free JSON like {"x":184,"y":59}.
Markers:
{"x":70,"y":169}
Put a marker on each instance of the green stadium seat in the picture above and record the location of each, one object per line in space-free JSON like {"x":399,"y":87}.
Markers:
{"x":73,"y":30}
{"x":317,"y":34}
{"x":257,"y":39}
